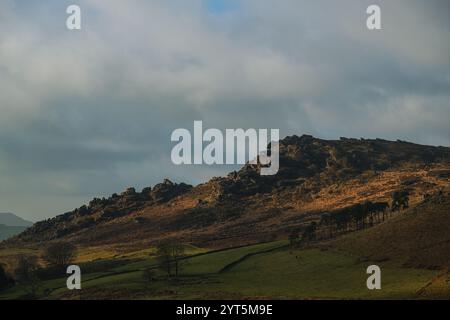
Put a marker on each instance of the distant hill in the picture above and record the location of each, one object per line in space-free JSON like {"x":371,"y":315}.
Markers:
{"x":9,"y":231}
{"x":10,"y":219}
{"x":10,"y":225}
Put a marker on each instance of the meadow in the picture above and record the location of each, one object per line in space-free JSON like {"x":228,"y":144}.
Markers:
{"x":271,"y":270}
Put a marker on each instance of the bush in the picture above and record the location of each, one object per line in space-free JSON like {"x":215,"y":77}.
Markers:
{"x":59,"y":254}
{"x":5,"y":280}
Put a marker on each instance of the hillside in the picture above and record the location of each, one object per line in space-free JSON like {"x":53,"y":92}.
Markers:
{"x":234,"y":228}
{"x":315,"y":176}
{"x":420,"y":237}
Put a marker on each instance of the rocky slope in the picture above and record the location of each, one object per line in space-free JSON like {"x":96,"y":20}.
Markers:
{"x":315,"y":176}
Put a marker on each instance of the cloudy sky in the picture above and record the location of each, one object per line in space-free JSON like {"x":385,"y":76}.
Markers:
{"x":87,"y":113}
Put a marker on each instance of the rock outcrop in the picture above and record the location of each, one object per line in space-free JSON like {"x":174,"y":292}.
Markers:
{"x":314,"y":175}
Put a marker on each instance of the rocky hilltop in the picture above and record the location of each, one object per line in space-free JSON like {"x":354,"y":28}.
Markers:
{"x":315,"y":176}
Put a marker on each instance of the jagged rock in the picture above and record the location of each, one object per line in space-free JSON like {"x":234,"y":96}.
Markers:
{"x":129,"y":192}
{"x":146,"y":193}
{"x":167,"y":190}
{"x":82,"y":211}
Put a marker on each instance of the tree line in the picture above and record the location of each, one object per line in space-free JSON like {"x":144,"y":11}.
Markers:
{"x":356,"y":217}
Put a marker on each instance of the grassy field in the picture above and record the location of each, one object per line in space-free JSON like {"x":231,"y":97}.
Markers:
{"x":268,"y":270}
{"x":314,"y":274}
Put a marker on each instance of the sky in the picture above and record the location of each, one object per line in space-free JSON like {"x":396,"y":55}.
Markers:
{"x":87,"y":113}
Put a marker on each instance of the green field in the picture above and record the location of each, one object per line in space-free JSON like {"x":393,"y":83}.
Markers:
{"x":269,"y":270}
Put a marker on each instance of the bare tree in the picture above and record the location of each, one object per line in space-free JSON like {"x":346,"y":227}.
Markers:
{"x":59,"y":254}
{"x":294,"y":238}
{"x":26,"y":274}
{"x":149,"y":276}
{"x":5,"y":279}
{"x":170,"y":255}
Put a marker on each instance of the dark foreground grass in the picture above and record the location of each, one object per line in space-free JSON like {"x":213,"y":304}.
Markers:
{"x":278,"y":274}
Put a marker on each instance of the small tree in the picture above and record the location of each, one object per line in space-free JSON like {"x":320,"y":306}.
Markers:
{"x":327,"y":221}
{"x":164,"y":259}
{"x":170,"y":255}
{"x":381,"y":207}
{"x":178,"y":252}
{"x":310,"y":231}
{"x":26,"y":274}
{"x":400,"y":200}
{"x":5,"y":280}
{"x":149,"y":276}
{"x":294,"y":237}
{"x":59,"y":254}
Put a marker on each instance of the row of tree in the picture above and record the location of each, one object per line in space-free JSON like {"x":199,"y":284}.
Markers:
{"x":355,"y":217}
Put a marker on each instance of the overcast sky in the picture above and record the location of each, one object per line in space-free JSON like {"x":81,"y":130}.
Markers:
{"x":88,"y":113}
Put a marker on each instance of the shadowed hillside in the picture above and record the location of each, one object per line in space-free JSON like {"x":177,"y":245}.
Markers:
{"x":418,"y":238}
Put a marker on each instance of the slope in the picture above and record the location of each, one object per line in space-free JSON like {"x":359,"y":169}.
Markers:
{"x":418,"y":238}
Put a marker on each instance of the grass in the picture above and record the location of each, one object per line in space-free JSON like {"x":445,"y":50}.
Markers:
{"x":318,"y":274}
{"x":301,"y":274}
{"x":280,"y":273}
{"x":214,"y":262}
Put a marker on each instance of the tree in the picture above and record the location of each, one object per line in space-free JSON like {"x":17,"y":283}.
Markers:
{"x":26,"y":273}
{"x":327,"y":221}
{"x":358,"y":214}
{"x":369,"y":211}
{"x":342,"y":219}
{"x":59,"y":254}
{"x":400,"y":200}
{"x":5,"y":280}
{"x":293,"y":238}
{"x":164,"y":258}
{"x":381,"y":207}
{"x":170,"y":255}
{"x":310,"y":231}
{"x":149,"y":276}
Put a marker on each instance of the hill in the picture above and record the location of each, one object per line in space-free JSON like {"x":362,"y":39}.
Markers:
{"x":10,"y":219}
{"x":11,"y":224}
{"x":9,"y":231}
{"x":235,"y":230}
{"x":315,"y":176}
